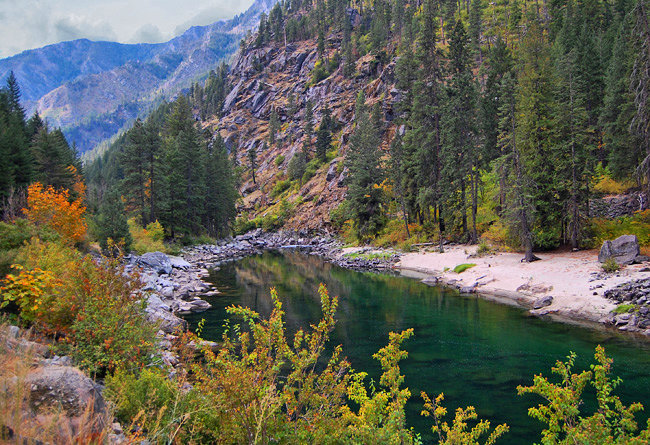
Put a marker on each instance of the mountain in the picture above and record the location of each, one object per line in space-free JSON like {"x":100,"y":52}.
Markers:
{"x":94,"y":89}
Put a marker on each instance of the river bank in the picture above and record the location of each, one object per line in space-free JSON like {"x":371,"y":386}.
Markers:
{"x":569,"y":286}
{"x":566,"y":286}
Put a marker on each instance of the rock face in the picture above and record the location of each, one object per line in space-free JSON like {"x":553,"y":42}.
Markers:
{"x":624,"y":250}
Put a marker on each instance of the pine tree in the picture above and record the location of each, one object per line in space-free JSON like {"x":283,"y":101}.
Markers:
{"x":133,"y":162}
{"x":520,"y":207}
{"x":461,"y":156}
{"x":365,"y":175}
{"x":112,"y":224}
{"x":640,"y":85}
{"x":308,"y":128}
{"x":324,"y":135}
{"x":252,"y":160}
{"x":535,"y":140}
{"x":274,"y":127}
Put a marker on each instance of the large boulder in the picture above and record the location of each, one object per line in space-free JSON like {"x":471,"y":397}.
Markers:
{"x":624,"y":250}
{"x":69,"y":389}
{"x":157,"y":261}
{"x":179,"y":263}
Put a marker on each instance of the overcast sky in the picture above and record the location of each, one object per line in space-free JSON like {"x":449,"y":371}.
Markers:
{"x":26,"y":24}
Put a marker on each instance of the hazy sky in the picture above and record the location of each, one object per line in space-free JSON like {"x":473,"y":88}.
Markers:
{"x":26,"y":24}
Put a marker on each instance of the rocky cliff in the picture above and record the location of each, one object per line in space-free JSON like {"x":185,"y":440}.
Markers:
{"x":264,"y":79}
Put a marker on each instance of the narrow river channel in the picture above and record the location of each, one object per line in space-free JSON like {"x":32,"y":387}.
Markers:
{"x":474,"y":351}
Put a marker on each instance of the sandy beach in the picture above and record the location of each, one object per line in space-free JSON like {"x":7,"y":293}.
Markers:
{"x":574,"y":279}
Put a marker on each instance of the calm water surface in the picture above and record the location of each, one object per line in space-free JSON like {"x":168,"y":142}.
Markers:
{"x":474,"y":351}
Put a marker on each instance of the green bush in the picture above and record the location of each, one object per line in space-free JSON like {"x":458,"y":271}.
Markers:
{"x":280,"y":187}
{"x":297,"y":166}
{"x":601,"y":229}
{"x":149,"y":239}
{"x":149,"y":400}
{"x":611,"y":266}
{"x":279,"y":160}
{"x":547,"y":239}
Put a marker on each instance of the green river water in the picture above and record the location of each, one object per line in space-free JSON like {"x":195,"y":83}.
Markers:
{"x":474,"y":351}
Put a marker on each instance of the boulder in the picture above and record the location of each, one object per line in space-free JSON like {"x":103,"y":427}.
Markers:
{"x":179,"y":263}
{"x":67,"y":388}
{"x":624,"y":250}
{"x":157,"y":261}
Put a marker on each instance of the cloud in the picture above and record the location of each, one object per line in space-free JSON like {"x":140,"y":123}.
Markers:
{"x":26,"y":24}
{"x":148,"y":33}
{"x":76,"y":27}
{"x":213,"y":14}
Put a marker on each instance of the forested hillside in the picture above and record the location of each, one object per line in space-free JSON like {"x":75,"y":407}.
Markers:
{"x":401,"y":121}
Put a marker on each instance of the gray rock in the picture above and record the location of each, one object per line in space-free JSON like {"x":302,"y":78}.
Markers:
{"x":13,"y":332}
{"x":623,"y":250}
{"x":179,"y":263}
{"x":157,"y":261}
{"x":331,"y":172}
{"x":58,"y":361}
{"x":543,"y":302}
{"x":65,"y":387}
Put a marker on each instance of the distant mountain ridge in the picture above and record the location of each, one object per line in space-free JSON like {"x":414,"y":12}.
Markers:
{"x":94,"y":89}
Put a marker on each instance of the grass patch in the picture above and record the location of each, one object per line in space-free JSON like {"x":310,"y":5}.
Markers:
{"x":463,"y":267}
{"x":624,"y":308}
{"x":369,"y":256}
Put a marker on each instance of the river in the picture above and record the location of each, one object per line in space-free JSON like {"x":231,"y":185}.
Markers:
{"x":474,"y":351}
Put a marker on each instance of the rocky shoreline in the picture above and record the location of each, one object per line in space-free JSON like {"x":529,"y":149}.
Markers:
{"x":175,"y":285}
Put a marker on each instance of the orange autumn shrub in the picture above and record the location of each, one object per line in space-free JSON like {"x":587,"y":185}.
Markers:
{"x":54,"y":208}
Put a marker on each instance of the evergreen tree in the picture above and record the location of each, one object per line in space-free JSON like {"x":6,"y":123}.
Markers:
{"x":324,"y":135}
{"x":252,"y":159}
{"x":112,"y":223}
{"x":365,"y":175}
{"x":535,"y":133}
{"x":308,"y":128}
{"x":274,"y":127}
{"x":461,"y":156}
{"x":133,"y":162}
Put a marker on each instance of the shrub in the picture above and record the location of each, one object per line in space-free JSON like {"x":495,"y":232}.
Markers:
{"x":149,"y":239}
{"x":149,"y":401}
{"x":483,"y":249}
{"x":280,"y":187}
{"x":610,"y":266}
{"x":612,"y":422}
{"x":463,"y":267}
{"x":54,"y":209}
{"x":279,"y":160}
{"x":602,"y":230}
{"x":93,"y":302}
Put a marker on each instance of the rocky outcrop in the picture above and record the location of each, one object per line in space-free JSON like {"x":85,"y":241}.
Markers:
{"x":624,"y":250}
{"x":636,"y":295}
{"x":612,"y":207}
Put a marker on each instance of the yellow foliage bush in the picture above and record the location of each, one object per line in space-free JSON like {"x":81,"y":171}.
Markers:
{"x":147,"y":239}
